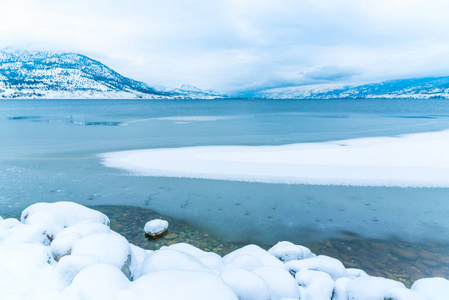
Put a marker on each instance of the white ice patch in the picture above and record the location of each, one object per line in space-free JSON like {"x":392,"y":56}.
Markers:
{"x":418,"y":160}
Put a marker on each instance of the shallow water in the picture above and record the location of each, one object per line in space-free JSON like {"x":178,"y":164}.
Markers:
{"x":48,"y":152}
{"x":390,"y":258}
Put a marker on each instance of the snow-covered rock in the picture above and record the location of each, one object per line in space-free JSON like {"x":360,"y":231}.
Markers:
{"x":265,"y":258}
{"x":245,"y":284}
{"x":70,"y":265}
{"x":156,"y":227}
{"x":37,"y":234}
{"x":371,"y":288}
{"x":62,"y":246}
{"x":211,"y":260}
{"x":322,"y":263}
{"x":166,"y":259}
{"x":186,"y":285}
{"x":26,"y":270}
{"x":63,"y":242}
{"x":340,"y":290}
{"x":244,"y":261}
{"x":86,"y":260}
{"x":97,"y":282}
{"x":400,"y":293}
{"x":286,"y":251}
{"x":433,"y":288}
{"x":280,"y":283}
{"x":314,"y":285}
{"x":100,"y":245}
{"x":354,"y":273}
{"x":59,"y":215}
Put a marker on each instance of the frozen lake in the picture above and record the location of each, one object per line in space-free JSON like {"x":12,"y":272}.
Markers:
{"x":49,"y":152}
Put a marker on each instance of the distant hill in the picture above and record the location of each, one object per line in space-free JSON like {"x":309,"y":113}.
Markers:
{"x":417,"y":88}
{"x":48,"y":75}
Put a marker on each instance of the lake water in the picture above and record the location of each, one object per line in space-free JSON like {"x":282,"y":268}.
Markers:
{"x":48,"y":152}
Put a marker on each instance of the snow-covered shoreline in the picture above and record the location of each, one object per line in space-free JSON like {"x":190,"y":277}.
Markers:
{"x":66,"y":251}
{"x":413,"y":160}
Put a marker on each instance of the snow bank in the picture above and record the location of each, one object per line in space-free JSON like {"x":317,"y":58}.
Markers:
{"x":86,"y":260}
{"x":418,"y":160}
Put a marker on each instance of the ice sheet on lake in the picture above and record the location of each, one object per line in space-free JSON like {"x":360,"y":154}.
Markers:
{"x":415,"y":160}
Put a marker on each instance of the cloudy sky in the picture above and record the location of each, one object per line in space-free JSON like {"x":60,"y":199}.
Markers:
{"x":239,"y":46}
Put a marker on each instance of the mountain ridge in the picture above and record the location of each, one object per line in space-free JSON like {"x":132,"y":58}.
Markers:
{"x":415,"y":88}
{"x":50,"y":75}
{"x":41,"y":74}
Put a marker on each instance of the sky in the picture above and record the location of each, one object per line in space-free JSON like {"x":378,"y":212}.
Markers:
{"x":240,"y":46}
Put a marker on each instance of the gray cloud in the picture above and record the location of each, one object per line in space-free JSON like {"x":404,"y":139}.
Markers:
{"x":330,"y":73}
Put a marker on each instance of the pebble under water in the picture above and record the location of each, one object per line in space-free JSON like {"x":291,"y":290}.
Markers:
{"x":390,"y":258}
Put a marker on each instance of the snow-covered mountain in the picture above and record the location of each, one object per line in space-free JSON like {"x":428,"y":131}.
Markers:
{"x":48,"y":75}
{"x":190,"y":91}
{"x":417,"y":88}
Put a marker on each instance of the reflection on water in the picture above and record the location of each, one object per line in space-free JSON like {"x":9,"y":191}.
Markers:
{"x":69,"y":119}
{"x":391,"y":258}
{"x":24,"y":118}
